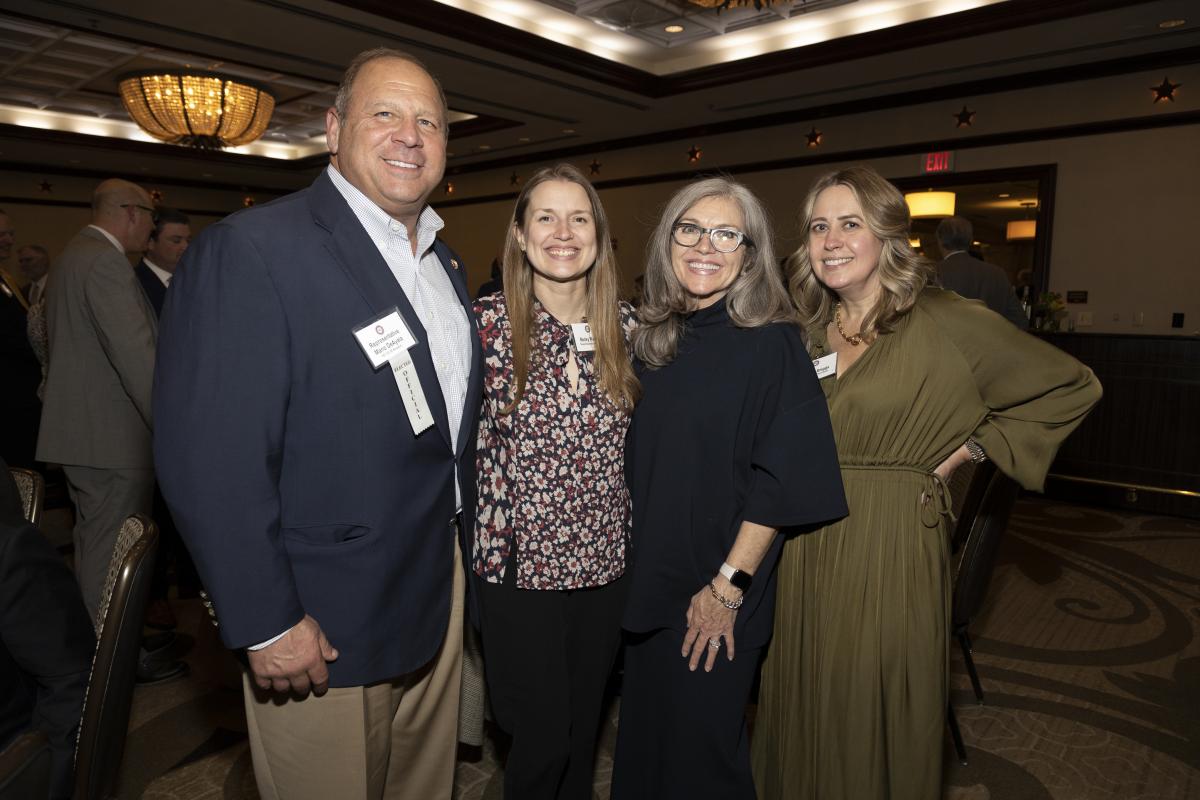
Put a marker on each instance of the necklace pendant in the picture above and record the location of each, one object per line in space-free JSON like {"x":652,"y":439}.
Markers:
{"x":853,"y":341}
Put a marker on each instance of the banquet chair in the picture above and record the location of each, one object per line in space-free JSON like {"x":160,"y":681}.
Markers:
{"x":109,"y":696}
{"x":991,"y":495}
{"x":32,"y":488}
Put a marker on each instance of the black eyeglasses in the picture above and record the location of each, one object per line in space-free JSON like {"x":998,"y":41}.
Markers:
{"x":148,"y":210}
{"x":724,"y":240}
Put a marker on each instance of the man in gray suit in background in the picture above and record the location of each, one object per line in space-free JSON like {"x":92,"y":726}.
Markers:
{"x":972,"y":278}
{"x":96,"y":410}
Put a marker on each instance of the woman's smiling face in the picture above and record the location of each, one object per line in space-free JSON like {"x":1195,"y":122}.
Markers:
{"x":843,"y":250}
{"x":704,"y":272}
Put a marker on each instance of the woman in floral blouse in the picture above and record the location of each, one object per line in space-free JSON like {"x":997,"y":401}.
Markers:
{"x":553,"y":515}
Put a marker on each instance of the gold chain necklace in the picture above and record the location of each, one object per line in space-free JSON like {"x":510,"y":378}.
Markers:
{"x":853,"y":341}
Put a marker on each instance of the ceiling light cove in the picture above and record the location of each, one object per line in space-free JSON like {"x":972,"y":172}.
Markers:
{"x":122,"y":129}
{"x":663,"y":47}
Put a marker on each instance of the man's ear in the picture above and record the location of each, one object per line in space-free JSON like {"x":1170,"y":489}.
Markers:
{"x":332,"y":128}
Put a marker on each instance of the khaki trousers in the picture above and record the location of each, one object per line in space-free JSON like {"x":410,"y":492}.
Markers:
{"x":394,"y":740}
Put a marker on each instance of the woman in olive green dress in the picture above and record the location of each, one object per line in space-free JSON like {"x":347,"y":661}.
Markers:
{"x":918,"y":381}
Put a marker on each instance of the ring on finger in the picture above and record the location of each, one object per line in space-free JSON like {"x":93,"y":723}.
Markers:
{"x":715,"y":644}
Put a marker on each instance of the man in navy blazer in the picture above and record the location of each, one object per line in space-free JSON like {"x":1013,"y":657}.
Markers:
{"x":319,"y":378}
{"x":168,"y":242}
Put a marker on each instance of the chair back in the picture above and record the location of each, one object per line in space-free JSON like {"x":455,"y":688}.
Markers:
{"x":106,"y":706}
{"x":966,"y":485}
{"x":981,"y":542}
{"x":32,"y":488}
{"x":25,"y":767}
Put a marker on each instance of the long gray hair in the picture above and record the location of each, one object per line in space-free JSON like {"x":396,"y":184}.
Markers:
{"x":756,"y":297}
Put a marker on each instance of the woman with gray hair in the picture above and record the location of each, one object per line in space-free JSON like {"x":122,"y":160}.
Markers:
{"x":731,"y":443}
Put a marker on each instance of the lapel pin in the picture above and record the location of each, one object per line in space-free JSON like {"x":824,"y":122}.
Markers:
{"x":454,"y":263}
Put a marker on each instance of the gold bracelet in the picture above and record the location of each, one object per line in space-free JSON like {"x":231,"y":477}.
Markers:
{"x":732,"y":605}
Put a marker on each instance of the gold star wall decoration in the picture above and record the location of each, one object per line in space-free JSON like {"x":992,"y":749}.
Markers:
{"x":46,"y":187}
{"x":694,"y":154}
{"x":594,"y":167}
{"x":965,"y":118}
{"x":156,"y":197}
{"x":449,"y":188}
{"x":247,"y":201}
{"x":514,"y":179}
{"x":1165,"y":90}
{"x":814,"y":137}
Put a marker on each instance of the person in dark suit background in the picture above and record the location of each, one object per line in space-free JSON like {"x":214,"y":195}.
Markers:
{"x":168,"y":241}
{"x":319,"y":382}
{"x":20,"y":408}
{"x":971,"y":277}
{"x":46,"y":640}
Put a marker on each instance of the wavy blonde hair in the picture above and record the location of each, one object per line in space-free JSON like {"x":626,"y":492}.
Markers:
{"x":903,"y":274}
{"x":756,"y":297}
{"x":615,"y":373}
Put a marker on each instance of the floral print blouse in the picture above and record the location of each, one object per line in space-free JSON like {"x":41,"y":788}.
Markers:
{"x":551,"y":473}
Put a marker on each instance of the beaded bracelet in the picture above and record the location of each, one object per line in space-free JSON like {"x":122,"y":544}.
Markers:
{"x":732,"y":605}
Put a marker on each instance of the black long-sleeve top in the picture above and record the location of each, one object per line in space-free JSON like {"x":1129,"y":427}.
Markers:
{"x":735,"y":428}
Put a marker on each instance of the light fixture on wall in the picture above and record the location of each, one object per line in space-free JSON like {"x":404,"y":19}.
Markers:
{"x":1020,"y":229}
{"x":931,"y":204}
{"x":197,"y":109}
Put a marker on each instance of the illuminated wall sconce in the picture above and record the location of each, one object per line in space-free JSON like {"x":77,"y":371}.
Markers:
{"x":1021,"y":229}
{"x":925,"y":205}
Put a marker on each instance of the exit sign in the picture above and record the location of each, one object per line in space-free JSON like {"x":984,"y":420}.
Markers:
{"x":938,"y":162}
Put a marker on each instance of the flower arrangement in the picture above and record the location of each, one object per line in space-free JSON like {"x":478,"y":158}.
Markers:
{"x":1049,"y":311}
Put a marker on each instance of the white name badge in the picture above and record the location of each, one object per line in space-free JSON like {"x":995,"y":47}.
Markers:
{"x":409,"y":384}
{"x":384,"y":338}
{"x":825,"y":365}
{"x":585,"y":341}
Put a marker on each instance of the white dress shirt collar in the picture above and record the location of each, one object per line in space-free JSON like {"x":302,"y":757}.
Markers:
{"x":158,"y":271}
{"x":111,"y":238}
{"x":378,"y":223}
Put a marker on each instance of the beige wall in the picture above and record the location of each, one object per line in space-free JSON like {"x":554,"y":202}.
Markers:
{"x":52,"y":226}
{"x":1125,"y":204}
{"x":1125,"y":209}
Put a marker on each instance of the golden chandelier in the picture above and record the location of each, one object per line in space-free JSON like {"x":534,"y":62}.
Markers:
{"x":198,"y":109}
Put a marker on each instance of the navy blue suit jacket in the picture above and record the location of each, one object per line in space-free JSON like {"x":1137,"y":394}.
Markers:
{"x":288,"y":462}
{"x":155,"y":291}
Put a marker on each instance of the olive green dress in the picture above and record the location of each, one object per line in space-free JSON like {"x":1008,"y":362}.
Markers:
{"x":854,"y":687}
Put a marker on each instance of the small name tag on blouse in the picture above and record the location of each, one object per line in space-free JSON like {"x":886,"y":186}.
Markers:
{"x":585,"y":342}
{"x":383,"y":338}
{"x":825,"y":366}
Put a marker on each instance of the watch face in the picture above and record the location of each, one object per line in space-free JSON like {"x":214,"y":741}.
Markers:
{"x":741,"y":580}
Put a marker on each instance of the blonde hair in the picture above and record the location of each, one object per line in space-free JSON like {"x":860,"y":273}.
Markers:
{"x":903,"y":274}
{"x":615,"y":373}
{"x":756,"y":297}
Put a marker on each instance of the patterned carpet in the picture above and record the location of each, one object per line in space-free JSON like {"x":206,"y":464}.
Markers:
{"x":1088,"y":654}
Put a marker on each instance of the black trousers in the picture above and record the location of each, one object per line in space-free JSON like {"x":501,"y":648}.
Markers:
{"x":547,"y":656}
{"x":682,"y":734}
